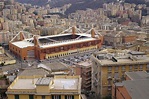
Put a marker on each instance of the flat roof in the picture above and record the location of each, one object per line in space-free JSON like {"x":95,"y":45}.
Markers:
{"x":137,"y":53}
{"x":120,"y":57}
{"x":55,"y":66}
{"x":137,"y":75}
{"x":34,"y":71}
{"x":85,"y":63}
{"x":24,"y":84}
{"x":61,"y":83}
{"x":137,"y":89}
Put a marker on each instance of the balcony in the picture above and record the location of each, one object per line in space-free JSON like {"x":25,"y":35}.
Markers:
{"x":87,"y":70}
{"x":109,"y":88}
{"x":109,"y":78}
{"x":88,"y":82}
{"x":86,"y":74}
{"x":87,"y":78}
{"x":87,"y":86}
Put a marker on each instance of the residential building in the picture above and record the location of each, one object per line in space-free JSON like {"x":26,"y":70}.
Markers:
{"x":118,"y":38}
{"x":110,"y":65}
{"x":85,"y":71}
{"x":59,"y":87}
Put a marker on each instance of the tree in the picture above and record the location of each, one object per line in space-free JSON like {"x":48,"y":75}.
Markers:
{"x":2,"y":64}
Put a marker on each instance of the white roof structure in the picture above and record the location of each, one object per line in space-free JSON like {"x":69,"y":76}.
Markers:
{"x":23,"y":44}
{"x":58,"y":83}
{"x":27,"y":42}
{"x":68,"y":84}
{"x":66,"y":42}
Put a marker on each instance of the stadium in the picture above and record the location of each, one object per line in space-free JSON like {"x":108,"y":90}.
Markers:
{"x":45,"y":47}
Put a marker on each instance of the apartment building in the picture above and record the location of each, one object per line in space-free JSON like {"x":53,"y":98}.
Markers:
{"x":84,"y":69}
{"x":59,"y":87}
{"x":117,"y":38}
{"x":110,"y":65}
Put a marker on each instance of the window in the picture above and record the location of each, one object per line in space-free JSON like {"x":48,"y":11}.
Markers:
{"x":141,"y":67}
{"x":43,"y":97}
{"x":62,"y":48}
{"x":130,"y":68}
{"x":69,"y":97}
{"x":123,"y":68}
{"x":109,"y":69}
{"x":56,"y":96}
{"x":109,"y":82}
{"x":116,"y":68}
{"x":136,"y":67}
{"x":31,"y":97}
{"x":147,"y":68}
{"x":109,"y":75}
{"x":116,"y":75}
{"x":89,"y":43}
{"x":16,"y":97}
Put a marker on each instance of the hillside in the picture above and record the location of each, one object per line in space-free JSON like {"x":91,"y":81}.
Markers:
{"x":34,"y":2}
{"x":76,"y":4}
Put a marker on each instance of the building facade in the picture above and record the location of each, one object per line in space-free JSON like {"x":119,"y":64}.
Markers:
{"x":110,"y":65}
{"x":84,"y":69}
{"x":59,"y":87}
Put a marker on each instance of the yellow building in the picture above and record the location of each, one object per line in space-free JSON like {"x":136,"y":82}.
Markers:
{"x":59,"y":87}
{"x":109,"y":67}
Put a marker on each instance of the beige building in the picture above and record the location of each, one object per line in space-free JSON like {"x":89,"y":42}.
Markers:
{"x":110,"y":65}
{"x":59,"y":87}
{"x":84,"y":69}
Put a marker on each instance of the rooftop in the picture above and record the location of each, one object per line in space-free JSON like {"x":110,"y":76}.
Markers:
{"x":62,"y":83}
{"x":85,"y":63}
{"x":27,"y":84}
{"x":55,"y":40}
{"x":137,"y":75}
{"x":137,"y":89}
{"x":55,"y":66}
{"x":116,"y":57}
{"x":34,"y":71}
{"x":23,"y":44}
